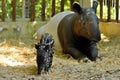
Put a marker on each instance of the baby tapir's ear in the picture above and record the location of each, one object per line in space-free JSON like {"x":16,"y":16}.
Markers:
{"x":76,"y":7}
{"x":37,"y":46}
{"x":95,"y":4}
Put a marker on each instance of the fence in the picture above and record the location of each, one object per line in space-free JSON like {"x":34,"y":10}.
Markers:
{"x":110,"y":4}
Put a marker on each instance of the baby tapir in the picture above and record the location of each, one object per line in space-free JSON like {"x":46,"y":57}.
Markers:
{"x":45,"y":51}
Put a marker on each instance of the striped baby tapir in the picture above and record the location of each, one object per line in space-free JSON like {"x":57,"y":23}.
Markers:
{"x":45,"y":51}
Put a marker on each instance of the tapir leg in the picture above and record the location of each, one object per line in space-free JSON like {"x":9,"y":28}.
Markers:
{"x":40,"y":67}
{"x":76,"y":54}
{"x":92,"y":53}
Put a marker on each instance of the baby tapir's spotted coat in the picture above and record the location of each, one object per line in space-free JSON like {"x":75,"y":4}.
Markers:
{"x":45,"y":51}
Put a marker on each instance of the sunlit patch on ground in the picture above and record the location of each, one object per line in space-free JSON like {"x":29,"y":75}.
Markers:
{"x":7,"y":61}
{"x":104,"y":38}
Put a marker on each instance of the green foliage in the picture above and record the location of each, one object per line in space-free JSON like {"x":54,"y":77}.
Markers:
{"x":8,"y":9}
{"x":19,"y":8}
{"x":105,"y":12}
{"x":38,"y":8}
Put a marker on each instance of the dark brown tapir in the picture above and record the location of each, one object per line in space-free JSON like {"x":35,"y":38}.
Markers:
{"x":75,"y":32}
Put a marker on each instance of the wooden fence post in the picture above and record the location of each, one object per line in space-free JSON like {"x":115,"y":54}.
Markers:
{"x":109,"y":8}
{"x":101,"y":9}
{"x":43,"y":9}
{"x":14,"y":10}
{"x":3,"y":10}
{"x":53,"y":7}
{"x":117,"y":10}
{"x":62,"y":5}
{"x":32,"y":10}
{"x":71,"y":3}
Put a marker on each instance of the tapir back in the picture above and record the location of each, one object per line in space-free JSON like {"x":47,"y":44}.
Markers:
{"x":52,"y":26}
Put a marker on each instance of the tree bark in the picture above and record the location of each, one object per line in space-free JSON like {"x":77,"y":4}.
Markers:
{"x":32,"y":10}
{"x":3,"y":10}
{"x":62,"y":5}
{"x":53,"y":7}
{"x":14,"y":10}
{"x":43,"y":9}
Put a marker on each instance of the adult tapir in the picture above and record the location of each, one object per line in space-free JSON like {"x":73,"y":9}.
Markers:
{"x":75,"y":32}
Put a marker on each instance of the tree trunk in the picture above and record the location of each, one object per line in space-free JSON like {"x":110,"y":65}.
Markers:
{"x":43,"y":10}
{"x":14,"y":10}
{"x":71,"y":3}
{"x":53,"y":7}
{"x":62,"y":5}
{"x":32,"y":10}
{"x":3,"y":10}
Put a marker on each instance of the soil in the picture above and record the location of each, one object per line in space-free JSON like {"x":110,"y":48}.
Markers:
{"x":18,"y":62}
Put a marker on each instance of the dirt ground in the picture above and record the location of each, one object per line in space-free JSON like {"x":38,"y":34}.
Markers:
{"x":18,"y":62}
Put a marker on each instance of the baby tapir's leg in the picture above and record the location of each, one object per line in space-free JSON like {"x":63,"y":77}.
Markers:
{"x":40,"y":67}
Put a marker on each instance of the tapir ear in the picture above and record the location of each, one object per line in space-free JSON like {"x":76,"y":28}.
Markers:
{"x":95,"y":4}
{"x":37,"y":46}
{"x":76,"y":7}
